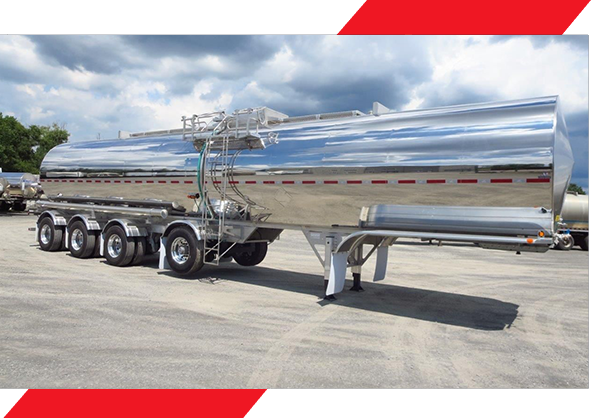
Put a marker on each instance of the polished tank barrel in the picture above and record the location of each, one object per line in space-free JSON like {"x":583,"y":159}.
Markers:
{"x":575,"y":211}
{"x":19,"y":179}
{"x":19,"y":184}
{"x":335,"y":171}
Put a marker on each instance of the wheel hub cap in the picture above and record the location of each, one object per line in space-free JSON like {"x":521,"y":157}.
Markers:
{"x":180,"y":250}
{"x":114,"y":246}
{"x":45,"y":235}
{"x":77,"y":239}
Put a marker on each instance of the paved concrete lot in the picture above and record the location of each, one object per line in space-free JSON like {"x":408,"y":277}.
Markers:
{"x":445,"y":317}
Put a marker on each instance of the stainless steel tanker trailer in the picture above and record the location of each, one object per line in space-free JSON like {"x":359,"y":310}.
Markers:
{"x":16,"y":189}
{"x":224,"y":186}
{"x":574,"y":227}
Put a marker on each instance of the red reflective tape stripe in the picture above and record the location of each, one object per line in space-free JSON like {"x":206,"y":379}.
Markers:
{"x":430,"y":181}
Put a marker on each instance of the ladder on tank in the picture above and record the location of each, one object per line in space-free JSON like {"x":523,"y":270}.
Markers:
{"x":220,"y":138}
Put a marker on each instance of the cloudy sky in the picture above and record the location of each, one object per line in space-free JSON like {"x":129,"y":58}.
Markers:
{"x":102,"y":84}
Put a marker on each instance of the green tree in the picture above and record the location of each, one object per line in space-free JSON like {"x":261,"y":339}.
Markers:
{"x":576,"y":188}
{"x":22,"y":148}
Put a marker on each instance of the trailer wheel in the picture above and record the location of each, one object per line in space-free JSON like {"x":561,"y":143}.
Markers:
{"x":80,"y":240}
{"x":566,"y":242}
{"x":119,"y":248}
{"x":254,"y":257}
{"x":49,"y":237}
{"x":584,"y":243}
{"x":140,"y":250}
{"x":184,"y":252}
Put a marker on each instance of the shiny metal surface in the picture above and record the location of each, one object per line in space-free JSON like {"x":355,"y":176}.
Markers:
{"x":475,"y":220}
{"x":575,"y":212}
{"x":45,"y":234}
{"x":19,"y":185}
{"x":114,"y":246}
{"x":77,"y":239}
{"x":323,"y":172}
{"x":179,"y":250}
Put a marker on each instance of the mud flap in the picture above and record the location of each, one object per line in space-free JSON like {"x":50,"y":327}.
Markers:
{"x":381,"y":264}
{"x":338,"y":271}
{"x":163,"y":262}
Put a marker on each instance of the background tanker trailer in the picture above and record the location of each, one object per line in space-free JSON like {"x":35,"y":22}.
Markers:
{"x":224,"y":186}
{"x":574,"y":228}
{"x":16,"y":189}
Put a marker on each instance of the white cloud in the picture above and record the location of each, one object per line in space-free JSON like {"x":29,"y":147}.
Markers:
{"x":507,"y":70}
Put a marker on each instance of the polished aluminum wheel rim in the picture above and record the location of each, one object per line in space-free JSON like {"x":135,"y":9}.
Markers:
{"x":77,"y":240}
{"x":114,"y":246}
{"x":45,"y":234}
{"x":180,"y":250}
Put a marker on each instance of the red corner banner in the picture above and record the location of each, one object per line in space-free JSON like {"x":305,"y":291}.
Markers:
{"x":500,"y":17}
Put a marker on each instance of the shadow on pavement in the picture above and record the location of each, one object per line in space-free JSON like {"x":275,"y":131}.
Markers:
{"x":428,"y":305}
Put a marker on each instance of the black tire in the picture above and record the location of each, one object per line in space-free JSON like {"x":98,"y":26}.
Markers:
{"x":140,"y":250}
{"x":184,"y":239}
{"x":122,"y":247}
{"x":566,"y":243}
{"x":154,"y":247}
{"x":584,"y":243}
{"x":53,"y":235}
{"x":4,"y":206}
{"x":80,"y":240}
{"x":97,"y":246}
{"x":253,"y":257}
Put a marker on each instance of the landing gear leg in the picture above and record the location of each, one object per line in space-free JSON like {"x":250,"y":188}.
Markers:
{"x":356,"y":269}
{"x":356,"y":283}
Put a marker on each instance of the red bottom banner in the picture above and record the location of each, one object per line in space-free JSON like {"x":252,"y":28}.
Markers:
{"x":362,"y":402}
